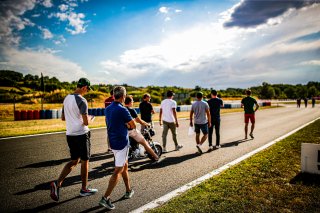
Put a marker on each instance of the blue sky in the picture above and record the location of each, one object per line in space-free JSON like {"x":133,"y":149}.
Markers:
{"x":209,"y":43}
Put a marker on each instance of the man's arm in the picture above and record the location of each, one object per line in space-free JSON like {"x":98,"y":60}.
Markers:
{"x":209,"y":117}
{"x":62,"y":116}
{"x":160,"y":117}
{"x":140,"y":121}
{"x":175,"y":116}
{"x":191,"y":117}
{"x":257,"y":106}
{"x":85,"y":120}
{"x":131,"y":124}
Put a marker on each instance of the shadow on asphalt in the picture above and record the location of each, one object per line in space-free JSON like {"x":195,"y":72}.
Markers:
{"x":166,"y":161}
{"x":96,"y":173}
{"x":93,"y":158}
{"x":48,"y":205}
{"x":234,"y":143}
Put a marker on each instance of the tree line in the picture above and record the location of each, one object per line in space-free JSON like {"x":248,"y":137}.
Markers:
{"x":27,"y":88}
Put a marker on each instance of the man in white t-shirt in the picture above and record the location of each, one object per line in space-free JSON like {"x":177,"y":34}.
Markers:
{"x":75,"y":113}
{"x":168,"y":115}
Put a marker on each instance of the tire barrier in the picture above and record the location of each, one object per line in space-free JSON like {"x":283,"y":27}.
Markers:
{"x":57,"y":113}
{"x":17,"y":115}
{"x":48,"y":114}
{"x":29,"y":114}
{"x":36,"y":114}
{"x":54,"y":114}
{"x":24,"y":115}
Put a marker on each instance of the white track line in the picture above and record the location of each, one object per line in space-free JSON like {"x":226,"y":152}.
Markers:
{"x":170,"y":195}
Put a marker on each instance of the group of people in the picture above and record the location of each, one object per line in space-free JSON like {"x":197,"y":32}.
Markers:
{"x":121,"y":119}
{"x":205,"y":116}
{"x":313,"y":102}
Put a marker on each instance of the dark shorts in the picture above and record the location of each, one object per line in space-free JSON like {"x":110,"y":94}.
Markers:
{"x":250,"y":117}
{"x":79,"y":146}
{"x":202,"y":127}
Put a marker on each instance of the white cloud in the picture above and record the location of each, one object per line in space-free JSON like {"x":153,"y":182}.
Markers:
{"x":46,"y":34}
{"x":163,"y":10}
{"x":47,"y":3}
{"x":11,"y":20}
{"x":210,"y":55}
{"x":312,"y":62}
{"x":32,"y":62}
{"x":75,"y":21}
{"x":178,"y":11}
{"x":63,"y":7}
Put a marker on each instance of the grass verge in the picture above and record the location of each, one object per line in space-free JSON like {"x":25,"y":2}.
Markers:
{"x":11,"y":128}
{"x":267,"y":182}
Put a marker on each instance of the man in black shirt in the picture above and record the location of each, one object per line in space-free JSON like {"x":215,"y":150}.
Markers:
{"x":215,"y":104}
{"x":146,"y":110}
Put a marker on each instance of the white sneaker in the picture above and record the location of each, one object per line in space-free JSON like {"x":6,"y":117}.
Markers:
{"x":218,"y":147}
{"x":178,"y":147}
{"x":164,"y":150}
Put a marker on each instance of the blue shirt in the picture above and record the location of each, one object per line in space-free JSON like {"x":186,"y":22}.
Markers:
{"x":117,"y":116}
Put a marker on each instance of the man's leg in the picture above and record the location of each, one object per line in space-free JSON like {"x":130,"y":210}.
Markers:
{"x":164,"y":134}
{"x":210,"y":134}
{"x":252,"y":128}
{"x":66,"y":170}
{"x":217,"y":128}
{"x":84,"y":173}
{"x":114,"y":179}
{"x":125,"y":177}
{"x":246,"y":130}
{"x":147,"y":147}
{"x":198,"y":138}
{"x":173,"y":129}
{"x":204,"y":138}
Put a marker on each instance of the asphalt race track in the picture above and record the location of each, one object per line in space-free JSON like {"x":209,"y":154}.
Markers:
{"x":29,"y":164}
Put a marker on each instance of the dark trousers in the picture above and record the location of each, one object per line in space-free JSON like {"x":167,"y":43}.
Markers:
{"x":215,"y":123}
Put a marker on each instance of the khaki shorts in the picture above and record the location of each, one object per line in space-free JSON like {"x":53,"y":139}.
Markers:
{"x":136,"y":135}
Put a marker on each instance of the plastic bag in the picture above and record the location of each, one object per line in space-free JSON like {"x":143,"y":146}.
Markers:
{"x":190,"y":131}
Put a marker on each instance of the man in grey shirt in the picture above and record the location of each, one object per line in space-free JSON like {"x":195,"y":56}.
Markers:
{"x":202,"y":119}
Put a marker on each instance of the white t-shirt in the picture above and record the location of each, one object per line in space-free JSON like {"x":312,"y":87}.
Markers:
{"x":74,"y":106}
{"x":167,"y":114}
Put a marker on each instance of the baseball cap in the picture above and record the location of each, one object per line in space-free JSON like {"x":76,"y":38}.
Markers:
{"x":84,"y":82}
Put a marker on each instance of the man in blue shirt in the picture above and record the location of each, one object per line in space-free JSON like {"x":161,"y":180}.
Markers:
{"x":118,"y":120}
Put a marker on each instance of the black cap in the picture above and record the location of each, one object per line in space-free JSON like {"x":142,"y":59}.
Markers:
{"x":84,"y":82}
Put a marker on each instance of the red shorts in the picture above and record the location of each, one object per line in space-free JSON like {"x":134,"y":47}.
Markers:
{"x":248,"y":117}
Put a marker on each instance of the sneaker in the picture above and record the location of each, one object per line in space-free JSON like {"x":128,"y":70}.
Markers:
{"x":129,"y":194}
{"x":87,"y":192}
{"x":210,"y":148}
{"x":199,"y":149}
{"x":157,"y":161}
{"x":178,"y":147}
{"x":251,"y":135}
{"x":218,"y":146}
{"x":106,"y":203}
{"x":54,"y":191}
{"x":164,"y":150}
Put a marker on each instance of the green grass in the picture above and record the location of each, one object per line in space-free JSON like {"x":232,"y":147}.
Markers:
{"x":267,"y":182}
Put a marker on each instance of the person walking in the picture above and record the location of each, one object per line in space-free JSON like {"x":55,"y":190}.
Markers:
{"x":146,"y":111}
{"x":215,"y":105}
{"x":107,"y":102}
{"x":249,"y":113}
{"x":136,"y":134}
{"x":118,"y":120}
{"x":75,"y":113}
{"x":168,"y":117}
{"x":202,"y":120}
{"x":313,"y":101}
{"x":305,"y":102}
{"x":298,"y":102}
